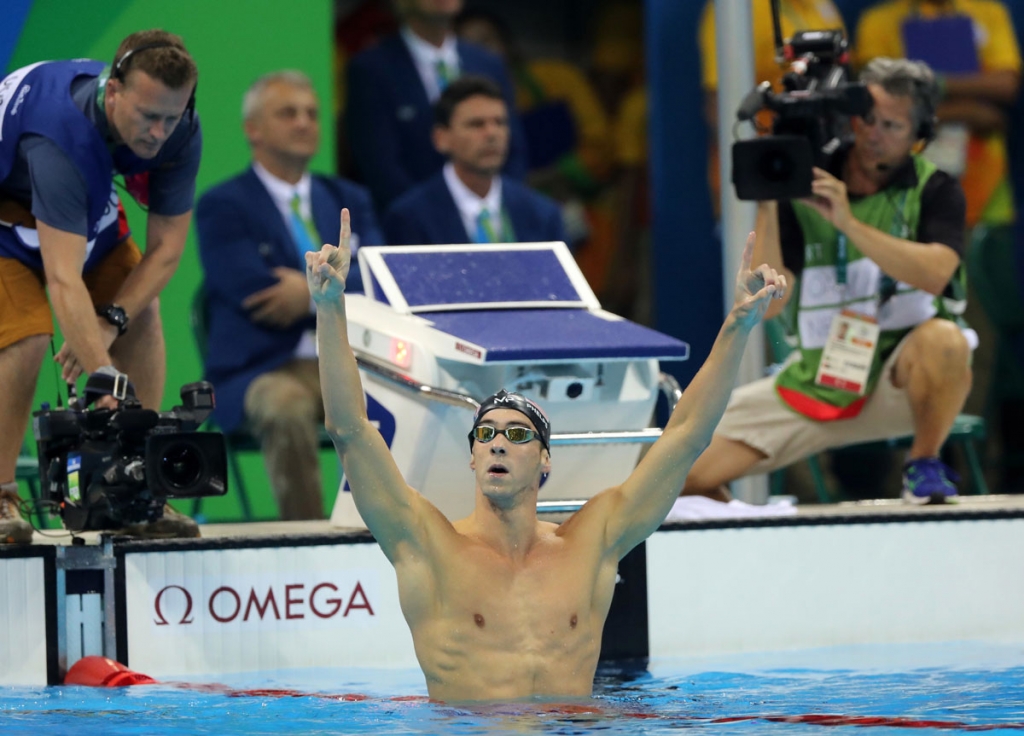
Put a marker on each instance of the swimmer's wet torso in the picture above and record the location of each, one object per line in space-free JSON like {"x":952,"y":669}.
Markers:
{"x":500,"y":604}
{"x":490,"y":626}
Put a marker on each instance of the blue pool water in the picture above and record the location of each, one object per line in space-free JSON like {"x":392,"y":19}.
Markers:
{"x":947,"y":688}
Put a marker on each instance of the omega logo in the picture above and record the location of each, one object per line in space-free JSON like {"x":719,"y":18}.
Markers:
{"x":227,"y":604}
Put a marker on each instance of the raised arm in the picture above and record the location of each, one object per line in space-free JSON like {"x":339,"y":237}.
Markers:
{"x":629,"y":513}
{"x":398,"y":516}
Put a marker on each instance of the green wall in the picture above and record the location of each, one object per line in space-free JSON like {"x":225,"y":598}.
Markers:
{"x":232,"y":42}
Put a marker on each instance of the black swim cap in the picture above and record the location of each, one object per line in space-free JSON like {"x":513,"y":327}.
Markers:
{"x":509,"y":400}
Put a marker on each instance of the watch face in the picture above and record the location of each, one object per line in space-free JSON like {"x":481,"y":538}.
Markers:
{"x":116,"y":316}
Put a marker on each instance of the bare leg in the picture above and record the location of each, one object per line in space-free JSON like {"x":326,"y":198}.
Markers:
{"x":723,"y":461}
{"x":933,"y":368}
{"x":19,"y":370}
{"x":141,"y":354}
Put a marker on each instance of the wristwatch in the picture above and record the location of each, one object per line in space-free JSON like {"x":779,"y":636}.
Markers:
{"x":115,"y":315}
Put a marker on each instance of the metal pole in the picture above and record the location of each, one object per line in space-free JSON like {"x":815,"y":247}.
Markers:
{"x":734,"y":41}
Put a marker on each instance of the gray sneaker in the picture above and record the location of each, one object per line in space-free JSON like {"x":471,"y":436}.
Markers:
{"x":13,"y":528}
{"x":172,"y":525}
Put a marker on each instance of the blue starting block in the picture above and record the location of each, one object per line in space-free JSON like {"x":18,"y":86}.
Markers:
{"x":442,"y":327}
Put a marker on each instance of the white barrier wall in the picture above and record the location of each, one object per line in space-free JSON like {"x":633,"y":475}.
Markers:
{"x":22,"y":621}
{"x":218,"y":611}
{"x":717,"y":591}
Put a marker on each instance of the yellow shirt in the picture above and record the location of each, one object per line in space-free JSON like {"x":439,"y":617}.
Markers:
{"x":795,"y":15}
{"x":985,"y":180}
{"x":631,"y":129}
{"x":878,"y":30}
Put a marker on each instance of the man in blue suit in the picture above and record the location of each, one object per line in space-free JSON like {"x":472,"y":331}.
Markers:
{"x":392,"y":88}
{"x":469,"y":201}
{"x":253,"y":232}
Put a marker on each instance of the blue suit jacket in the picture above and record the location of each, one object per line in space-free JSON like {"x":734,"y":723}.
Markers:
{"x":389,"y":118}
{"x":242,"y":238}
{"x":427,"y":215}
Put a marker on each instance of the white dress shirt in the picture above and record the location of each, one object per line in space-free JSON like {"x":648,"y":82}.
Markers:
{"x":469,"y":204}
{"x":425,"y":56}
{"x":282,"y":192}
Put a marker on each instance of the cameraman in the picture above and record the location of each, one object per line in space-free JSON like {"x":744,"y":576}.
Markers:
{"x":881,"y":236}
{"x":66,"y":129}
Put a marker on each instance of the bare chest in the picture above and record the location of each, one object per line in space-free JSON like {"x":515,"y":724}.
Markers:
{"x":544,"y":605}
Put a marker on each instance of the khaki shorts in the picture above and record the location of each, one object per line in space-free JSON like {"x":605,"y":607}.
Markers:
{"x":24,"y":308}
{"x":757,"y":417}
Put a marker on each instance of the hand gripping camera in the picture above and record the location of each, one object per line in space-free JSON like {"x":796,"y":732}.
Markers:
{"x":106,"y":468}
{"x":811,"y":116}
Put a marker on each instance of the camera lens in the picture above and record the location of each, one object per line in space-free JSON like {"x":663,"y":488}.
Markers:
{"x":181,"y":465}
{"x":776,"y":166}
{"x":574,"y":389}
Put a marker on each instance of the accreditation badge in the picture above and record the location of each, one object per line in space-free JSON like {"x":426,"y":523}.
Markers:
{"x":849,"y":353}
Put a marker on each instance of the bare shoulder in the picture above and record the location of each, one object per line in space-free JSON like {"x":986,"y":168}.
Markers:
{"x":590,"y":522}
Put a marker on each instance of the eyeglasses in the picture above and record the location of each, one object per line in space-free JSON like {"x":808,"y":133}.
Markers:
{"x":515,"y":435}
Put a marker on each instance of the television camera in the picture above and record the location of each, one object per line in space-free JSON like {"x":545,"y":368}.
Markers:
{"x":106,"y":468}
{"x":811,"y":116}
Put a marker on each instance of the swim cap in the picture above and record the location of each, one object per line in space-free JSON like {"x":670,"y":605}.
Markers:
{"x":509,"y":400}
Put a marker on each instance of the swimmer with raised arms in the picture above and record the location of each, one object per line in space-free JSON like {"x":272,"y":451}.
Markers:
{"x":502,"y":605}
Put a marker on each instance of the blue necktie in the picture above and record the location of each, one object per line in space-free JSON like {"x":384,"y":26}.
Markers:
{"x":445,"y":75}
{"x":485,"y":228}
{"x":302,"y":230}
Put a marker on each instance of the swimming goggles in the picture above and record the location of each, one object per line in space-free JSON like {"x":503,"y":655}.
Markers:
{"x":515,"y":435}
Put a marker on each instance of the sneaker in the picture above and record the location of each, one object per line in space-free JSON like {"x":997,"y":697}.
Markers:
{"x":172,"y":525}
{"x":929,"y":480}
{"x":13,"y":528}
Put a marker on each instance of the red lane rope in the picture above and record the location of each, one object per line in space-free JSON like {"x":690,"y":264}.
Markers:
{"x":829,"y":719}
{"x":102,"y":672}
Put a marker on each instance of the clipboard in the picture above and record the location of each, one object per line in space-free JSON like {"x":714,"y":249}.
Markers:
{"x":946,"y":44}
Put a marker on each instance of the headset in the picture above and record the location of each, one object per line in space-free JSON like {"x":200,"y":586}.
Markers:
{"x":926,"y":91}
{"x":120,"y":70}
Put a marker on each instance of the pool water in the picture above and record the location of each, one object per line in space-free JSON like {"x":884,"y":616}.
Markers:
{"x":947,"y":688}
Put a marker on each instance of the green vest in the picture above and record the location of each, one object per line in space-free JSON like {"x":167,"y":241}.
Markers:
{"x":832,"y":281}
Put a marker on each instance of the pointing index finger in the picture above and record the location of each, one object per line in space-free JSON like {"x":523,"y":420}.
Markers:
{"x":346,"y":228}
{"x":748,"y":252}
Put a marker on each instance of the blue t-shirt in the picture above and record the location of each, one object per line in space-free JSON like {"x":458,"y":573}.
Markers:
{"x":43,"y":177}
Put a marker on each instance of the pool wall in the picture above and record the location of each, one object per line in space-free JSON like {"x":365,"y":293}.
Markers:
{"x":258,"y":600}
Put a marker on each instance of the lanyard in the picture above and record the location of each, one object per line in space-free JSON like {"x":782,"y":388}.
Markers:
{"x":898,"y":228}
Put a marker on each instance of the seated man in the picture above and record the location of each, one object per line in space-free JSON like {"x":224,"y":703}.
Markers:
{"x":253,"y":231}
{"x":500,"y":604}
{"x":392,"y":86}
{"x":878,"y":252}
{"x":469,"y":201}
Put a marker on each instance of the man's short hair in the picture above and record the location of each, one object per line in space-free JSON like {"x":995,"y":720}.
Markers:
{"x":461,"y":90}
{"x":159,"y":54}
{"x":906,"y":78}
{"x":252,"y":101}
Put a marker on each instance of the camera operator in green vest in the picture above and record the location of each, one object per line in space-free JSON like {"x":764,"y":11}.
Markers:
{"x":876,"y":253}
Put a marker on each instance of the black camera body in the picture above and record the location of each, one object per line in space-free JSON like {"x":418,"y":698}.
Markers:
{"x":812,"y":119}
{"x":107,"y":468}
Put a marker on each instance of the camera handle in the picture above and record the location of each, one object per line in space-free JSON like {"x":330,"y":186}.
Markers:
{"x":108,"y":381}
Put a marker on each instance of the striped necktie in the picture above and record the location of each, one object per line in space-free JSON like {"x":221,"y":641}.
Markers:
{"x":303,"y":232}
{"x":445,"y":74}
{"x":485,"y":228}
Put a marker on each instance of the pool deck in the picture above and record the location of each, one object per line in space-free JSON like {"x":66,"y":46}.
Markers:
{"x":876,"y":511}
